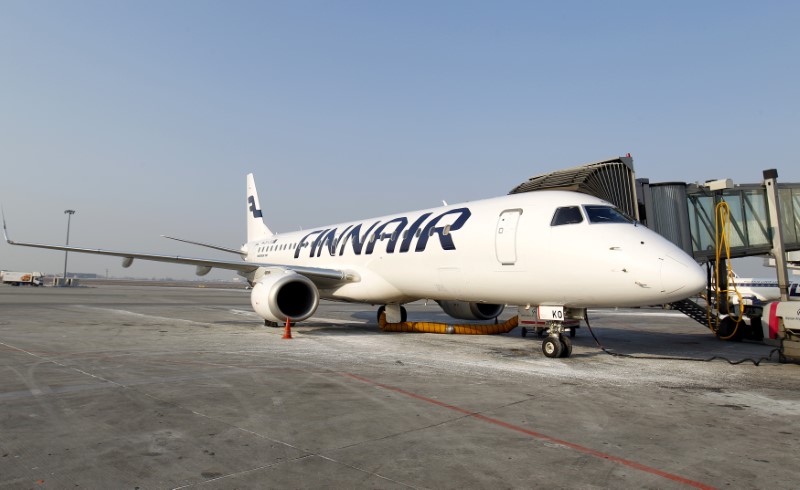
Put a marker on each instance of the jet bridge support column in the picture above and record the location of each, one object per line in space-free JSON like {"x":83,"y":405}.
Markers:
{"x":783,"y":316}
{"x":778,"y":248}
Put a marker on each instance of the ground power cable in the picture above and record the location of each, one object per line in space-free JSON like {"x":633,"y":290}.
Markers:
{"x":722,"y":232}
{"x":675,"y":358}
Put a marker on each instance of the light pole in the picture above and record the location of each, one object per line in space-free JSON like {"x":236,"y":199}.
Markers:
{"x":69,"y":213}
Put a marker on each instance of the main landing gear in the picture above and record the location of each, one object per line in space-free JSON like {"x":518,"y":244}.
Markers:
{"x":557,"y":344}
{"x":394,"y":313}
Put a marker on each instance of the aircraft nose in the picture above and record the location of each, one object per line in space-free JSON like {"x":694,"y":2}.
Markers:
{"x":681,"y":278}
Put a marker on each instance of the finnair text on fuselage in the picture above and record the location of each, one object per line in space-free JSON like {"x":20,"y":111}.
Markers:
{"x":394,"y":230}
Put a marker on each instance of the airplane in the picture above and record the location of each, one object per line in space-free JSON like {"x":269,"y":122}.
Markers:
{"x":756,"y":292}
{"x":559,"y":251}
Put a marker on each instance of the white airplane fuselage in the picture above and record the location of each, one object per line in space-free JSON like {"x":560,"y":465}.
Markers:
{"x":503,"y":250}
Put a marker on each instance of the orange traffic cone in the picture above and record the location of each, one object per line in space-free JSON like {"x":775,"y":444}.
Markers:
{"x":287,"y":333}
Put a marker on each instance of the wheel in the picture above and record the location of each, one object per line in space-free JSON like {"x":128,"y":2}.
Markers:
{"x":403,"y":313}
{"x":381,"y":310}
{"x":573,"y":332}
{"x":727,"y":330}
{"x":523,"y":332}
{"x":552,"y":347}
{"x":754,"y":330}
{"x":567,"y":346}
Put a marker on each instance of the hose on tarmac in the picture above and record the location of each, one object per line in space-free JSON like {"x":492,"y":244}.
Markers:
{"x":446,"y":328}
{"x":674,"y":358}
{"x":513,"y":322}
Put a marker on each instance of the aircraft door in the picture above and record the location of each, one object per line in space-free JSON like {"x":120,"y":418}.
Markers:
{"x":505,"y":237}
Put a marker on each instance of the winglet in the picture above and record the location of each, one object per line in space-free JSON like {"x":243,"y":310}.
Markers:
{"x":256,"y":229}
{"x":5,"y":228}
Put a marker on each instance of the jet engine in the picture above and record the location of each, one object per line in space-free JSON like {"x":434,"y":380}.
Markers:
{"x":277,"y":297}
{"x":471,"y":311}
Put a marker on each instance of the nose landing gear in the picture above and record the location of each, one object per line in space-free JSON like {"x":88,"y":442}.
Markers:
{"x":557,"y":344}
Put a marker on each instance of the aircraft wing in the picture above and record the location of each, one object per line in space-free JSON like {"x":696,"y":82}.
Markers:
{"x":321,"y":277}
{"x":208,"y":245}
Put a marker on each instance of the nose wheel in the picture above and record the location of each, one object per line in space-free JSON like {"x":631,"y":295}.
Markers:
{"x":557,"y":344}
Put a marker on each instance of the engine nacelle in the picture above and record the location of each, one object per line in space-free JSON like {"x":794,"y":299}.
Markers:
{"x":471,"y":311}
{"x":277,"y":297}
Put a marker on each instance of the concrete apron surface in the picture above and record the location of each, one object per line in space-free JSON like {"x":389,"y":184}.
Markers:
{"x":150,"y":387}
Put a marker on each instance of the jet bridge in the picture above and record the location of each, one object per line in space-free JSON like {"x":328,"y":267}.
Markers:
{"x":717,"y":221}
{"x":685,"y":214}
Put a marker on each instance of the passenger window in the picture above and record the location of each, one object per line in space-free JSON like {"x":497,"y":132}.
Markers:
{"x":567,"y":216}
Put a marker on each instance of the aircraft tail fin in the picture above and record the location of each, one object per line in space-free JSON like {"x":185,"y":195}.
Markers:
{"x":256,"y":229}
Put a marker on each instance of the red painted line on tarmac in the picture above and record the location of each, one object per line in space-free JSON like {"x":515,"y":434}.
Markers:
{"x":537,"y":435}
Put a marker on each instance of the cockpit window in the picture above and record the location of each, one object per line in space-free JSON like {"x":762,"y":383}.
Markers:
{"x":605,"y":214}
{"x":567,"y":216}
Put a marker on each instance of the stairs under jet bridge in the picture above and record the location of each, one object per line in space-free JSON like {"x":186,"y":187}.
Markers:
{"x":694,"y":311}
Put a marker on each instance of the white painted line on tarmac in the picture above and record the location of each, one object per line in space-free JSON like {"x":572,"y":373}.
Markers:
{"x":334,"y":320}
{"x":243,"y":313}
{"x":635,"y":313}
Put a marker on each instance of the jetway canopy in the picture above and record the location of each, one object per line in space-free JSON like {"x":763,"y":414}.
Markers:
{"x":612,"y":179}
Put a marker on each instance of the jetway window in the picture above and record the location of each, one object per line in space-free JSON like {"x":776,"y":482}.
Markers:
{"x":605,"y":214}
{"x":567,"y":216}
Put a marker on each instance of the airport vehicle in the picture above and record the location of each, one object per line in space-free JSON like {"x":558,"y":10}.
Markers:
{"x":558,"y":251}
{"x":781,"y":328}
{"x":22,"y":278}
{"x":746,"y":298}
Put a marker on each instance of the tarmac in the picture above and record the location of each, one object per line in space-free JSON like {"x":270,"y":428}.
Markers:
{"x":151,"y":387}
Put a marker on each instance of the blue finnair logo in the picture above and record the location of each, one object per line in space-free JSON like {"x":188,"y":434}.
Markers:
{"x":256,"y":212}
{"x":397,"y":231}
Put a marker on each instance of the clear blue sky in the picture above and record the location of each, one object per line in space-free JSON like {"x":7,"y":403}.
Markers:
{"x":145,"y":116}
